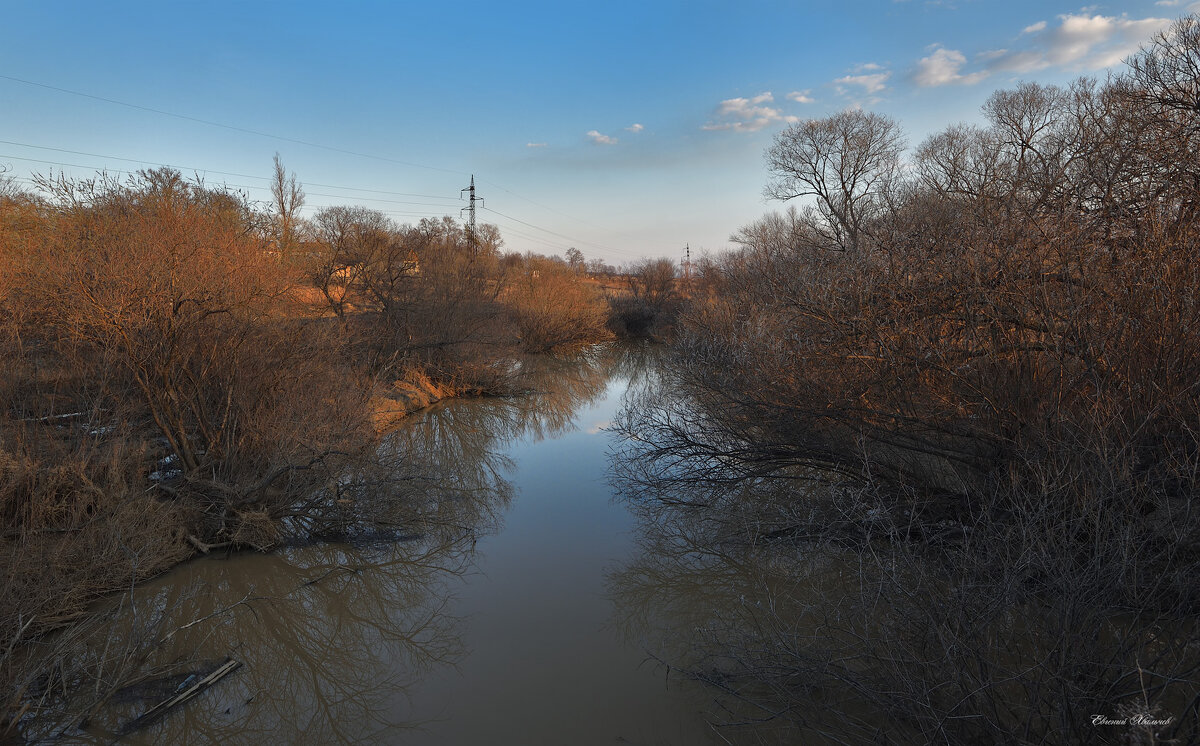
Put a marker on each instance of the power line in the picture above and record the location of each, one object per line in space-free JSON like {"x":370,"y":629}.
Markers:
{"x":306,"y":143}
{"x":246,"y":186}
{"x":241,"y":186}
{"x":508,"y":231}
{"x":544,"y":207}
{"x":561,"y":235}
{"x":213,"y":171}
{"x":401,"y":213}
{"x":234,"y":128}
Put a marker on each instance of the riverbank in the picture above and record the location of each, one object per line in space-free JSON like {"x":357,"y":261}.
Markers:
{"x":451,"y":484}
{"x":185,"y":376}
{"x":144,"y":516}
{"x":405,"y":396}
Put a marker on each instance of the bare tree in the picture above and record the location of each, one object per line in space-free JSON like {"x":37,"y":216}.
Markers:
{"x":652,"y":281}
{"x":1165,"y":79}
{"x":288,"y":198}
{"x":847,"y":161}
{"x":960,"y":162}
{"x":1168,"y":69}
{"x":1000,"y":421}
{"x":352,"y":242}
{"x":575,"y":260}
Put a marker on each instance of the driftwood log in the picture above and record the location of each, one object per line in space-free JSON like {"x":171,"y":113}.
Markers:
{"x":220,"y":672}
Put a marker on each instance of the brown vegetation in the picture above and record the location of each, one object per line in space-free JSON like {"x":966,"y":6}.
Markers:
{"x":169,"y":387}
{"x":991,"y":364}
{"x":649,"y":302}
{"x":552,"y":306}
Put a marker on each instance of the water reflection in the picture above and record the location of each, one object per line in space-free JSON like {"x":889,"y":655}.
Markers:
{"x":331,"y":635}
{"x":816,"y":617}
{"x":722,"y":591}
{"x":329,"y":638}
{"x":706,"y":602}
{"x":442,"y":471}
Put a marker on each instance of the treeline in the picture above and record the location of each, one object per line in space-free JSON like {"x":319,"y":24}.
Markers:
{"x":183,"y":369}
{"x":988,"y":356}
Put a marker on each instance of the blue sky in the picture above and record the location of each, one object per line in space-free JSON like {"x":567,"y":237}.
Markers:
{"x":625,"y":129}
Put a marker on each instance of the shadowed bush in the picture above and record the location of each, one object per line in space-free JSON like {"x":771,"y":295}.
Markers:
{"x":650,"y":304}
{"x":990,"y":361}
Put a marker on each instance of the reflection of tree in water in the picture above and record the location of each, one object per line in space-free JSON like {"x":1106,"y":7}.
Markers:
{"x":449,"y":456}
{"x":560,"y":385}
{"x":705,"y":598}
{"x":695,"y":594}
{"x":634,"y":362}
{"x":817,"y":617}
{"x":330,"y":635}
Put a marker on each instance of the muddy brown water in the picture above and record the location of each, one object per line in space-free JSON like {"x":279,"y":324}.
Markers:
{"x":492,"y":623}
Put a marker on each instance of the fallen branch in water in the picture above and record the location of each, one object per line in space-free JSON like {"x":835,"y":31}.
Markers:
{"x":206,"y":548}
{"x":223,"y":670}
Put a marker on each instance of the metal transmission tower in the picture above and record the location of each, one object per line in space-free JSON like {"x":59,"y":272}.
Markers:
{"x":470,"y":210}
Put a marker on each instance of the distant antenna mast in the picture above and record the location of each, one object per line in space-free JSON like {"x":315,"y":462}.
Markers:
{"x":470,"y":210}
{"x":687,"y":272}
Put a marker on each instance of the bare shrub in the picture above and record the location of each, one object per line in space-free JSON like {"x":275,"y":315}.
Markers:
{"x":552,"y":307}
{"x":171,"y":284}
{"x":424,"y":295}
{"x":650,"y":302}
{"x":999,"y":389}
{"x":822,"y":611}
{"x":157,"y":390}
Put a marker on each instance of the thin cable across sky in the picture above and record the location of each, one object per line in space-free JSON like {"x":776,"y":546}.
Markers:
{"x":283,"y":138}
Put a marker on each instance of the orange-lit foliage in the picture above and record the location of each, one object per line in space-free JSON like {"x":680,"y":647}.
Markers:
{"x":552,"y":306}
{"x":155,"y":384}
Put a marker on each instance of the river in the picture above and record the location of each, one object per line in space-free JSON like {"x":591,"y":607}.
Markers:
{"x":486,"y":617}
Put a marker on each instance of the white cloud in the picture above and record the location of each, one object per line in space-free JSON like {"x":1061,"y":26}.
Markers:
{"x":801,"y":97}
{"x":600,"y":139}
{"x":634,"y":128}
{"x":1079,"y":41}
{"x":870,"y":82}
{"x":748,"y":114}
{"x":738,"y":105}
{"x":943,"y":68}
{"x":1168,"y":3}
{"x":535,"y":144}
